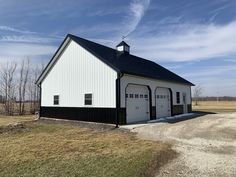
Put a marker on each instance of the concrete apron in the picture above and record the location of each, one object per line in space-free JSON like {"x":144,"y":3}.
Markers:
{"x":160,"y":120}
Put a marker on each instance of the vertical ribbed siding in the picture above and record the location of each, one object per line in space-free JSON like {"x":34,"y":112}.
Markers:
{"x":105,"y":115}
{"x":78,"y":72}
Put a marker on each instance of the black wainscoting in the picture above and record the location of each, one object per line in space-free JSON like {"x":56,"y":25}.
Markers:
{"x":178,"y":109}
{"x":104,"y":115}
{"x":189,"y":107}
{"x":122,"y":116}
{"x":153,"y":116}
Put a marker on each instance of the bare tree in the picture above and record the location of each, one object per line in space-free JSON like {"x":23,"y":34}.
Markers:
{"x":33,"y":89}
{"x":197,"y":91}
{"x":8,"y":87}
{"x":22,"y":84}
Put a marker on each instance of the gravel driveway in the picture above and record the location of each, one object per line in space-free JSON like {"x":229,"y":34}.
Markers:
{"x":206,"y":145}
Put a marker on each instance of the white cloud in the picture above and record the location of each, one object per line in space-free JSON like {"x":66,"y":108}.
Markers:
{"x":114,"y":31}
{"x":137,"y":9}
{"x":16,"y":44}
{"x":28,"y":39}
{"x":212,"y":71}
{"x":188,"y":42}
{"x":11,"y":29}
{"x":25,"y":50}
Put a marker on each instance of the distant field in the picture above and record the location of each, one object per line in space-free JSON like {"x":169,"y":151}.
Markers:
{"x":214,"y":106}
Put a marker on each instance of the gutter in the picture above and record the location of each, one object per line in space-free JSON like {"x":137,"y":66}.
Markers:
{"x":119,"y":76}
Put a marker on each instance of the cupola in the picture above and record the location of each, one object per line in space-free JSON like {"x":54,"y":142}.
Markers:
{"x":122,"y":47}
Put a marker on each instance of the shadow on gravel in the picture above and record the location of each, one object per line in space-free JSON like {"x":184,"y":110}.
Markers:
{"x":197,"y":114}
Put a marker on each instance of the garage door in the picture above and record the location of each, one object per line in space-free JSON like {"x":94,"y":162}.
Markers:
{"x":163,"y":108}
{"x":137,"y":103}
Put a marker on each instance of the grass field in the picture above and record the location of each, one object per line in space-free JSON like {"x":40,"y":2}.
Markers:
{"x":214,"y":106}
{"x":5,"y":120}
{"x":53,"y":150}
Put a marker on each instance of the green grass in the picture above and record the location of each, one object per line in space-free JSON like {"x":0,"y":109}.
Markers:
{"x":63,"y":150}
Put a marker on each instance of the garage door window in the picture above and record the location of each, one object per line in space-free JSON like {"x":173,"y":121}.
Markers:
{"x":136,"y":95}
{"x":131,"y":95}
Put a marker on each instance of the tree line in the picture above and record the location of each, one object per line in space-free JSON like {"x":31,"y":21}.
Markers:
{"x":214,"y":98}
{"x":18,"y":92}
{"x":197,"y":96}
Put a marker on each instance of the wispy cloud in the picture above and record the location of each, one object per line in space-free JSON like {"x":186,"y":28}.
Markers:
{"x":137,"y":10}
{"x":29,"y":38}
{"x":217,"y":11}
{"x":130,"y":17}
{"x":23,"y":49}
{"x":212,"y":71}
{"x":105,"y":12}
{"x":16,"y":44}
{"x":188,"y":42}
{"x":170,"y":20}
{"x":11,"y":29}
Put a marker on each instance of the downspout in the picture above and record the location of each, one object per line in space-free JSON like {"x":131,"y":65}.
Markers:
{"x":119,"y":76}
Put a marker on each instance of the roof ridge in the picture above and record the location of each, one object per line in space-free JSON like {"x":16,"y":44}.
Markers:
{"x":112,"y":48}
{"x":91,"y":41}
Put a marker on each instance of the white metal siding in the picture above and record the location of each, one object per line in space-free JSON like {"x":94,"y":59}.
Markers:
{"x":75,"y":73}
{"x":152,"y":83}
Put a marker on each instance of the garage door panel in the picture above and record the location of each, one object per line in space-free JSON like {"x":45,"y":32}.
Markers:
{"x":163,"y":107}
{"x":137,"y":103}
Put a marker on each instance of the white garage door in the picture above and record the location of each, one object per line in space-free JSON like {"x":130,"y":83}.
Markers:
{"x":137,"y":103}
{"x":163,"y":108}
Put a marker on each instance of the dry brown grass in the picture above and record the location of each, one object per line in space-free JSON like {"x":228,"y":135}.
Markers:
{"x":5,"y":120}
{"x":214,"y":106}
{"x":64,"y":150}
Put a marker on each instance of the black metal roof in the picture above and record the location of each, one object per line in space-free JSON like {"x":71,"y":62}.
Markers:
{"x":127,"y":63}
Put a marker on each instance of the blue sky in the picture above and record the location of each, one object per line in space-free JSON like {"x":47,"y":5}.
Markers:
{"x":195,"y":39}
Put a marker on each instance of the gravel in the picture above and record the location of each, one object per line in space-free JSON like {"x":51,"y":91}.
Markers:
{"x":206,"y":145}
